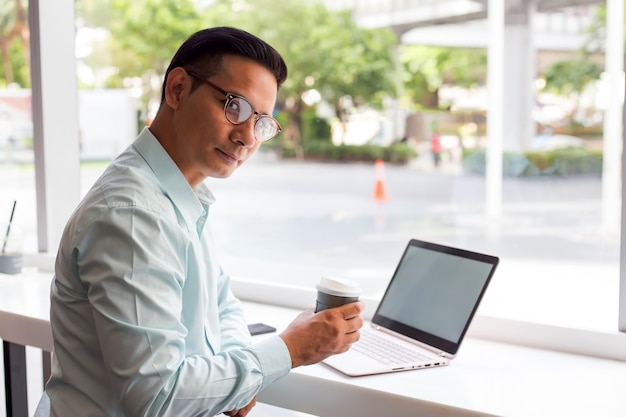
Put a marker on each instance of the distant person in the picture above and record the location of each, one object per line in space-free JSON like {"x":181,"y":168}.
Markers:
{"x":435,"y":148}
{"x":143,"y":318}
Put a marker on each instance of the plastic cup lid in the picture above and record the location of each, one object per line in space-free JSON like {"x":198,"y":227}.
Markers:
{"x":339,"y":286}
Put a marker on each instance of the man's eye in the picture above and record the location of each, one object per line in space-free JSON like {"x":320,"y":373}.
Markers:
{"x":233,"y":106}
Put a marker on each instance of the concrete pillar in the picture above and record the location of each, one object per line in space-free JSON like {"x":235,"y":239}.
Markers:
{"x":520,"y":73}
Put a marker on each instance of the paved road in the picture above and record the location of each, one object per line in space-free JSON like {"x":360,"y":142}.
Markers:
{"x":316,"y":218}
{"x":289,"y":221}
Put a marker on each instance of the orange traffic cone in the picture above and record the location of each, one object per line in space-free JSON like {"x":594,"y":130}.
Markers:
{"x":379,"y":186}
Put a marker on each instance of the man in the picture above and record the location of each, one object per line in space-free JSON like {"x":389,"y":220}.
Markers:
{"x":143,"y":319}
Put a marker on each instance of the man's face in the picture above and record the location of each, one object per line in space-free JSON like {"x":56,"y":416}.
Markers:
{"x":208,"y":145}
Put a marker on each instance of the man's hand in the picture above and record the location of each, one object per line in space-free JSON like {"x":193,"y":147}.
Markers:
{"x":312,"y":337}
{"x":243,"y":412}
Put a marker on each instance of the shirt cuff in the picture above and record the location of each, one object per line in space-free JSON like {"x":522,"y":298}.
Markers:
{"x":274,"y":358}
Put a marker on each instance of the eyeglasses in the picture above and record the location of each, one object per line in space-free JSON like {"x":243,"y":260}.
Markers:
{"x":238,"y":110}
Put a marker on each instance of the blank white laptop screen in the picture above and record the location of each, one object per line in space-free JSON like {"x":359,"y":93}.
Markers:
{"x":442,"y":305}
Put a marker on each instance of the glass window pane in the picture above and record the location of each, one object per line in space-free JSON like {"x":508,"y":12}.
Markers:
{"x":17,"y":174}
{"x":287,"y":220}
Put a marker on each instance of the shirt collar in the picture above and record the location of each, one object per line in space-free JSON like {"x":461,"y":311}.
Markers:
{"x":192,"y":203}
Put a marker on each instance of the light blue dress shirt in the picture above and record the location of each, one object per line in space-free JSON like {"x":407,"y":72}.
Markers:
{"x":143,"y":319}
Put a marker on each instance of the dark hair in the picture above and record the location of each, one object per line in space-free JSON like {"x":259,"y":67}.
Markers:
{"x":202,"y":52}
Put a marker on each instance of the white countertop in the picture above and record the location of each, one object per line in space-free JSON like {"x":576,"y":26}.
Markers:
{"x":25,"y":308}
{"x":486,"y":378}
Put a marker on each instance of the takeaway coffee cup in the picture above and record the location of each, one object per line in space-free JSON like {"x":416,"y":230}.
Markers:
{"x":334,"y":292}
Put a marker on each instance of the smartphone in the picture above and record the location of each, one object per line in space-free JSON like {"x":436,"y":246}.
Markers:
{"x":260,"y":328}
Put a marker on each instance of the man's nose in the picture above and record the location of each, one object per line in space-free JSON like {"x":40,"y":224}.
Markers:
{"x":245,"y":134}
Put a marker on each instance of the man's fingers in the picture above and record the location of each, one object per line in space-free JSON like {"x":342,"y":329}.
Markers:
{"x":352,"y":310}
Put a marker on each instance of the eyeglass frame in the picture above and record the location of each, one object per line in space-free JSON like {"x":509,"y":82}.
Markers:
{"x":229,"y":98}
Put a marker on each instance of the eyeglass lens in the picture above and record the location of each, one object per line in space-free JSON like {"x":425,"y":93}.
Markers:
{"x":238,"y":110}
{"x":265,"y":128}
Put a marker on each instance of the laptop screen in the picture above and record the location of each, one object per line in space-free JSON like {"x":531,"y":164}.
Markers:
{"x":434,"y":293}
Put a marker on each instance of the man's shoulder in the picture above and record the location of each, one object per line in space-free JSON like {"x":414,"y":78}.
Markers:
{"x":128,"y":181}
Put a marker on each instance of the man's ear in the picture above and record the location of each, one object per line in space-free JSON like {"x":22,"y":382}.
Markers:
{"x":177,"y":82}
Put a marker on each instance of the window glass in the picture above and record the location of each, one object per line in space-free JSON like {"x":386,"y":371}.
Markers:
{"x":17,"y":175}
{"x":310,"y":204}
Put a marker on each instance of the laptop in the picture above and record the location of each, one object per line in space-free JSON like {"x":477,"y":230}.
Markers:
{"x":424,"y":313}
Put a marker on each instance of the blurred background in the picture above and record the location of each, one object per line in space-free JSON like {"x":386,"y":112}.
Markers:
{"x":388,"y":134}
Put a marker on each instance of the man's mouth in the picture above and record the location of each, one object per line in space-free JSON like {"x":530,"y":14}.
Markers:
{"x":230,"y":156}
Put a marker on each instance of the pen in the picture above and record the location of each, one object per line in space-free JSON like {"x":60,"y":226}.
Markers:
{"x":6,"y":236}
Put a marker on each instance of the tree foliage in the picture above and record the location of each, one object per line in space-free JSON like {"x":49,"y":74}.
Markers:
{"x":427,"y":68}
{"x":149,"y":31}
{"x":571,"y":76}
{"x":144,"y":36}
{"x":14,"y":42}
{"x":324,"y":51}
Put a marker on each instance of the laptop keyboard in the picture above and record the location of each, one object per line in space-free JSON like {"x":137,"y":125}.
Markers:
{"x":386,"y":351}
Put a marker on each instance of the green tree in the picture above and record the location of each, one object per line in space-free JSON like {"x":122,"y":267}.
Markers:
{"x":144,"y":35}
{"x":324,"y":50}
{"x":427,"y":68}
{"x":92,"y":13}
{"x":569,"y":78}
{"x":15,"y":55}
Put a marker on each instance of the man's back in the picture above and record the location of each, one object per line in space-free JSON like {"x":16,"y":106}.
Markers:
{"x":122,"y":267}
